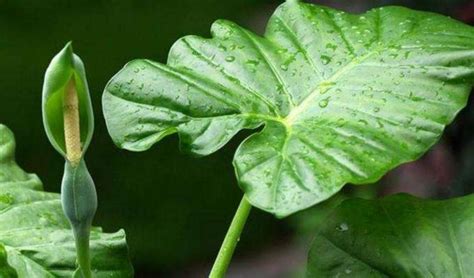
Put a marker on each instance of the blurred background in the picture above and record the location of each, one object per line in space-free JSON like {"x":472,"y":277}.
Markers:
{"x":174,"y":208}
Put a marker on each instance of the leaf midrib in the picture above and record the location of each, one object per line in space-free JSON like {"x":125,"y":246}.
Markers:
{"x":378,"y":269}
{"x":403,"y":240}
{"x":300,"y":108}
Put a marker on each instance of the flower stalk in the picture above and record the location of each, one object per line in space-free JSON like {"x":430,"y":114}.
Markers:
{"x":71,"y":190}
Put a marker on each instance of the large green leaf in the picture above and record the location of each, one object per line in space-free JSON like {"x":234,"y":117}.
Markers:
{"x":343,"y":98}
{"x":36,"y":235}
{"x":397,"y":236}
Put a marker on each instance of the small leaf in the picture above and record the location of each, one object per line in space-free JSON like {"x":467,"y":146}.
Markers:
{"x":343,"y":98}
{"x":36,"y":235}
{"x":397,"y":236}
{"x":64,"y":68}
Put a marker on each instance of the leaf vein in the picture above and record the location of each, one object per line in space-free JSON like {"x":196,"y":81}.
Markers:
{"x":301,"y":48}
{"x":271,"y":66}
{"x":352,"y":255}
{"x":320,"y":151}
{"x":186,"y":79}
{"x":454,"y":241}
{"x":228,"y":76}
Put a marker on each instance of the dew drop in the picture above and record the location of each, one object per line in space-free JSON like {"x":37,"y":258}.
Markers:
{"x":324,"y":103}
{"x":379,"y":124}
{"x":340,"y":122}
{"x":342,"y":227}
{"x":325,"y":59}
{"x":6,"y":198}
{"x":230,"y":58}
{"x":253,"y":62}
{"x":331,"y":46}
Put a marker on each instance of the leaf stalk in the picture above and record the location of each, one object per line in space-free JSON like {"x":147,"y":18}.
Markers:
{"x":231,"y":239}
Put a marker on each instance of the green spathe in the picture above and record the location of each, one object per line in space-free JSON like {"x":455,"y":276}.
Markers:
{"x":397,"y":236}
{"x":36,"y":239}
{"x":343,"y":98}
{"x":66,"y":66}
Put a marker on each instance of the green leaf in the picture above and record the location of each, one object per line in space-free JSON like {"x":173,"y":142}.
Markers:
{"x":397,"y":236}
{"x":64,"y":67}
{"x":36,"y":235}
{"x":343,"y":98}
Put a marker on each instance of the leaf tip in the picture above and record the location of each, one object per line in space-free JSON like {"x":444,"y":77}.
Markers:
{"x":66,"y":55}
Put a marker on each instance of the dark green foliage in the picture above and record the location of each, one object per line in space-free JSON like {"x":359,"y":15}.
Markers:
{"x":397,"y":236}
{"x":34,"y":234}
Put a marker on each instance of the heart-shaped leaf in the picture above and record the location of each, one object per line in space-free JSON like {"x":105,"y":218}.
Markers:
{"x":343,"y":98}
{"x":35,"y":234}
{"x":397,"y":236}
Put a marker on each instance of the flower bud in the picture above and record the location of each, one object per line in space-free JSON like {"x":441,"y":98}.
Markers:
{"x":69,"y":123}
{"x":65,"y":91}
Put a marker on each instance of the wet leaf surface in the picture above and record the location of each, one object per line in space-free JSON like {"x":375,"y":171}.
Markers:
{"x":343,"y":98}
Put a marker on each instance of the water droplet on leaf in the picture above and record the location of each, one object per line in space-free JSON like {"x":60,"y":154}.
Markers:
{"x":324,"y":103}
{"x":325,"y":59}
{"x":342,"y":227}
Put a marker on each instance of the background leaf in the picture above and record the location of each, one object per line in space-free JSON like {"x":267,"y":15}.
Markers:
{"x":344,"y":98}
{"x":6,"y":271}
{"x":397,"y":236}
{"x":35,"y":233}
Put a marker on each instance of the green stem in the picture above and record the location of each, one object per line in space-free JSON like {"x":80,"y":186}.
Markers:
{"x":224,"y":256}
{"x":82,"y":234}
